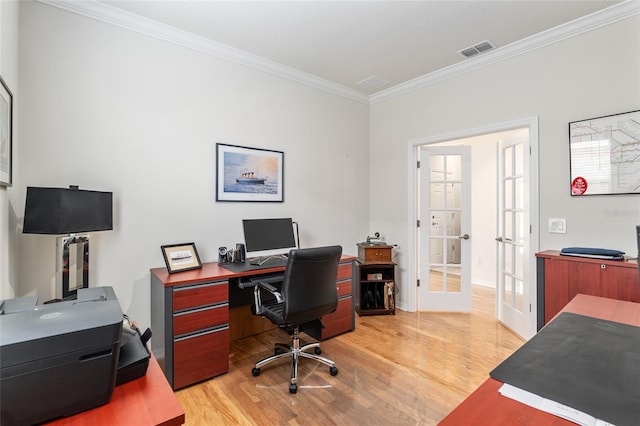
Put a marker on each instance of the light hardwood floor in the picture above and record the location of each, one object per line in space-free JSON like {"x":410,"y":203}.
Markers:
{"x":403,"y":369}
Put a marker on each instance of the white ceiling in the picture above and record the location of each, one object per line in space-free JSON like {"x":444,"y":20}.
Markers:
{"x":347,"y":42}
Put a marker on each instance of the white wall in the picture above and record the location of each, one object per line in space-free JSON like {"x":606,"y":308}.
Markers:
{"x":9,"y":73}
{"x":589,"y":75}
{"x":110,"y":109}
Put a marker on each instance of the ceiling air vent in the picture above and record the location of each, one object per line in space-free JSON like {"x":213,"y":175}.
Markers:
{"x":477,"y":49}
{"x":371,"y":84}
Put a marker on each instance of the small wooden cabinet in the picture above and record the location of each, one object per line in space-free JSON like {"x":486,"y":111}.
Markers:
{"x":375,"y":280}
{"x":560,"y":278}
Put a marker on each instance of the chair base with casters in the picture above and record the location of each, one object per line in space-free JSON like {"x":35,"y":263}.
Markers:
{"x":295,"y":352}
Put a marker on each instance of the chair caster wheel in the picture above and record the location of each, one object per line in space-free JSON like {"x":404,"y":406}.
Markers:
{"x":293,"y":388}
{"x":255,"y":372}
{"x":333,"y":371}
{"x":278,"y":351}
{"x":317,"y":350}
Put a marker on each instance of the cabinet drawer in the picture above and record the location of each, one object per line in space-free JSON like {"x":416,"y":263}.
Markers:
{"x":344,"y":288}
{"x":345,"y":270}
{"x":339,"y":321}
{"x":200,"y":357}
{"x":200,"y":295}
{"x":198,"y":319}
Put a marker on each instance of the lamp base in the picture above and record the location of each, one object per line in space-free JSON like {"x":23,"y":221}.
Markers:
{"x":72,"y":271}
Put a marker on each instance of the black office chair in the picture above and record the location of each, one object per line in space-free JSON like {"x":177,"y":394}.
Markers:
{"x":308,"y":292}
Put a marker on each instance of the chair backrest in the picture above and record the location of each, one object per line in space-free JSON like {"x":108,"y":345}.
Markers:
{"x":309,"y":286}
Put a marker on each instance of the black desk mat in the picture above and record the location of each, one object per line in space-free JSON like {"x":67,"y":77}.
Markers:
{"x":586,"y":363}
{"x":247,"y":266}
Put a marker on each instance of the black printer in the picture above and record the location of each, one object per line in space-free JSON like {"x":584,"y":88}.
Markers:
{"x":58,"y":359}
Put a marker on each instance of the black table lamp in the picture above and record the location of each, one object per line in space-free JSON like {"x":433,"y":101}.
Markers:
{"x":68,"y":211}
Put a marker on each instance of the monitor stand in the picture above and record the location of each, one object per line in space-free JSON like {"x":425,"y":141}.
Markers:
{"x":259,"y":261}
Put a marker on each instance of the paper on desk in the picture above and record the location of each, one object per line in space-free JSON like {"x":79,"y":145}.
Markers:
{"x":551,"y":407}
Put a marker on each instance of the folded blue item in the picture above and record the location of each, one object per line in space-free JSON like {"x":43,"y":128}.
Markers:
{"x":596,"y":253}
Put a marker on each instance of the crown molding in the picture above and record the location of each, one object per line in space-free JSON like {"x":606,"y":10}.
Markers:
{"x":118,"y":17}
{"x":573,"y":28}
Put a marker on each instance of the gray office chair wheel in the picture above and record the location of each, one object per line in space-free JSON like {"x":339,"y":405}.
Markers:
{"x":293,"y":388}
{"x":317,"y":350}
{"x":255,"y":372}
{"x":333,"y":371}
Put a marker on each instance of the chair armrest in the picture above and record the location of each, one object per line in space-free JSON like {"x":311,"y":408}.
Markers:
{"x":271,"y":289}
{"x":258,"y":308}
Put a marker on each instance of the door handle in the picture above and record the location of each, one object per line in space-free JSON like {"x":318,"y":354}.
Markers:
{"x":499,"y":239}
{"x":464,"y":237}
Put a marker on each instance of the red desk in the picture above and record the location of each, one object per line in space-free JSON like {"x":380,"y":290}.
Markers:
{"x":485,"y":404}
{"x":148,"y":400}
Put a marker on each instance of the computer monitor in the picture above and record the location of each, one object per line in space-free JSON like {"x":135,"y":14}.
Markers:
{"x":268,"y":238}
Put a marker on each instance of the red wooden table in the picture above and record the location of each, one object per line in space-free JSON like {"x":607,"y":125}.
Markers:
{"x":486,"y":406}
{"x":148,"y":400}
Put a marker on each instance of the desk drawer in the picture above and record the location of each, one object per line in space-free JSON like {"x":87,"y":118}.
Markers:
{"x":345,"y":270}
{"x":339,"y":321}
{"x":200,"y":357}
{"x":193,"y":296}
{"x":344,"y":288}
{"x":198,"y":319}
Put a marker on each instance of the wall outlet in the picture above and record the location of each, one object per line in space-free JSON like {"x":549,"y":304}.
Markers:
{"x":558,"y":226}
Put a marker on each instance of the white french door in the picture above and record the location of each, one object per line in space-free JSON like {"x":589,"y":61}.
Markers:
{"x":445,"y":228}
{"x":514,"y":307}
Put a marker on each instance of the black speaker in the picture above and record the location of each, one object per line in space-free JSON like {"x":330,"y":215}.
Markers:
{"x":239,"y":254}
{"x":223,"y":255}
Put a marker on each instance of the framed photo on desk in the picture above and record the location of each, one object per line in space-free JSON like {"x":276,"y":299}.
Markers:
{"x":181,"y":257}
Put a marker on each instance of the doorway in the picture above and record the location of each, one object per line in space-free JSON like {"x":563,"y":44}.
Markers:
{"x":483,"y":264}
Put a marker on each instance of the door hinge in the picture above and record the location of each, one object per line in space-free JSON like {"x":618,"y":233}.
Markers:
{"x":531,"y":229}
{"x":418,"y":164}
{"x":418,"y":283}
{"x":529,"y":307}
{"x":418,"y":223}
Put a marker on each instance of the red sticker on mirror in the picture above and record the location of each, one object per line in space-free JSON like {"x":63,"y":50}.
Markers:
{"x":578,"y":186}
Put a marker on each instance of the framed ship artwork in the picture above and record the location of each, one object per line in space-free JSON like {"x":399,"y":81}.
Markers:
{"x":249,"y":174}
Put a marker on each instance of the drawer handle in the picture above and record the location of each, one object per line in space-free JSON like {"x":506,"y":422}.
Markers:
{"x":201,"y":309}
{"x":191,"y":287}
{"x":201,"y":333}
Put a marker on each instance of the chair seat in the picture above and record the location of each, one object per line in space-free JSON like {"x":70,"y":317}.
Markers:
{"x":274,"y":312}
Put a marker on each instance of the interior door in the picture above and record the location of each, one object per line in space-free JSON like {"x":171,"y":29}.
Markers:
{"x":445,"y":227}
{"x":514,"y":230}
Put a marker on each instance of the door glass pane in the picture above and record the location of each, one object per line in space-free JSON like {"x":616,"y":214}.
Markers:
{"x":436,"y":168}
{"x":518,"y":302}
{"x":519,"y":227}
{"x":436,"y":196}
{"x":453,"y":279}
{"x":508,"y":194}
{"x":519,"y":159}
{"x":454,"y":167}
{"x":437,"y":251}
{"x":437,"y":223}
{"x":508,"y":225}
{"x":454,"y":195}
{"x":508,"y":290}
{"x":508,"y":162}
{"x":519,"y":191}
{"x":508,"y":258}
{"x":436,"y":280}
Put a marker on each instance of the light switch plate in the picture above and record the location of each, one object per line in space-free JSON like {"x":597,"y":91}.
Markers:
{"x":558,"y":226}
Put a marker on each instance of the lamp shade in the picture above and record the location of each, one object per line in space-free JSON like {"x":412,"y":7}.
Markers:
{"x":67,"y":211}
